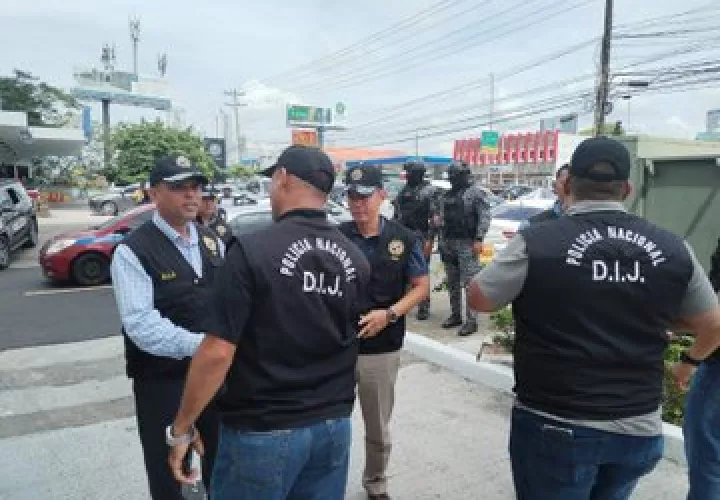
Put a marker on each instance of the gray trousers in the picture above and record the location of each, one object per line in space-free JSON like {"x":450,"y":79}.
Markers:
{"x":376,"y":376}
{"x":461,"y":264}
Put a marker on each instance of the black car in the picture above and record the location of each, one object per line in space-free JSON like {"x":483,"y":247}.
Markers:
{"x":18,"y":222}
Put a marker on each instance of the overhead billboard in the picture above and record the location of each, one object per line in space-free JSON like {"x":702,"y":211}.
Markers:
{"x":301,"y":116}
{"x":305,"y":138}
{"x":120,"y":87}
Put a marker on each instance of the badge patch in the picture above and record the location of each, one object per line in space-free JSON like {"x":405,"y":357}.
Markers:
{"x":183,"y":162}
{"x":396,"y":248}
{"x":356,"y":174}
{"x":168,"y":276}
{"x":210,"y":244}
{"x":221,"y":230}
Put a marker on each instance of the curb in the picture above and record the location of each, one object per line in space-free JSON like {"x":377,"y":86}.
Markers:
{"x":501,"y":378}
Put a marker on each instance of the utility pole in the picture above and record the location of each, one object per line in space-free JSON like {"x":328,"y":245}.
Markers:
{"x":492,"y":99}
{"x":135,"y":37}
{"x":603,"y":90}
{"x":236,"y":105}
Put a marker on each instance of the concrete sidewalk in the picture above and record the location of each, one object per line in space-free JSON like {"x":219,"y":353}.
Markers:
{"x":68,"y":216}
{"x":450,"y":434}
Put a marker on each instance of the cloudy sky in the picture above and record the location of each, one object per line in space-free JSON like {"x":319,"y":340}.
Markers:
{"x":430,"y":78}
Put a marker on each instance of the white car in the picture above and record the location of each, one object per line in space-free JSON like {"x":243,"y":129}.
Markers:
{"x":506,"y":220}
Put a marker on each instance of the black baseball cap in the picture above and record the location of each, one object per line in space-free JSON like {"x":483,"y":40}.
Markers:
{"x":175,"y":168}
{"x":306,"y":163}
{"x":364,"y":179}
{"x":596,"y":150}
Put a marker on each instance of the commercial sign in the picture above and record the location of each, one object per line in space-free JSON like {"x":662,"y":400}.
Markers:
{"x":305,"y":137}
{"x":533,"y":148}
{"x":216,"y":148}
{"x":489,"y":142}
{"x":308,"y":116}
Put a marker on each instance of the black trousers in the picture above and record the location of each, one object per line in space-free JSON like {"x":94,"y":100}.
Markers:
{"x":156,"y":404}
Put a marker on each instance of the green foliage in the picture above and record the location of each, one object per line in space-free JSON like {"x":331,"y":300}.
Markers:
{"x":241,"y":172}
{"x":610,"y":129}
{"x":138,"y":146}
{"x":44,"y":104}
{"x":503,"y":328}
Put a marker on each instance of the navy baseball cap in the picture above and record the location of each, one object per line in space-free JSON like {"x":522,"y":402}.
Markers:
{"x":596,"y":150}
{"x":175,"y":168}
{"x":364,"y":180}
{"x":306,"y":163}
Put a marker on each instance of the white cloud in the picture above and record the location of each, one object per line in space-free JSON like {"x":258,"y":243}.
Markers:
{"x":260,"y":96}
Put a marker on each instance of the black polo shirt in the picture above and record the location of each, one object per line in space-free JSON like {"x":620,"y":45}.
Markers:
{"x":287,"y":298}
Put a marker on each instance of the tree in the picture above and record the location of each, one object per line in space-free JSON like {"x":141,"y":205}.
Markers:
{"x":45,"y":105}
{"x":611,"y":129}
{"x":138,"y":146}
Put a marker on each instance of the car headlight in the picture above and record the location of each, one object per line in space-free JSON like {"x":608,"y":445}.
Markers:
{"x":58,"y":246}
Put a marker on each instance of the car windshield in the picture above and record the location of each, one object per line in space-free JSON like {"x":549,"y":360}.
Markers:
{"x":515,"y":212}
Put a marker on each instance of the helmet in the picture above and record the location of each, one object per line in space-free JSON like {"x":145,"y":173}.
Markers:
{"x":414,"y":165}
{"x":458,"y":168}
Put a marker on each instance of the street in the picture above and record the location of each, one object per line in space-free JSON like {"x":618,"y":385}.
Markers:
{"x":67,"y":426}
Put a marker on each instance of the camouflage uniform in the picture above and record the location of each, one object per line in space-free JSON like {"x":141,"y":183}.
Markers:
{"x":413,"y":209}
{"x":456,"y":250}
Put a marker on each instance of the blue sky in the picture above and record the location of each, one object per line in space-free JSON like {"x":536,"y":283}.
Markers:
{"x":218,"y":44}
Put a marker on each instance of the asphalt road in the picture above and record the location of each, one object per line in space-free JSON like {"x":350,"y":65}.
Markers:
{"x":35,"y":313}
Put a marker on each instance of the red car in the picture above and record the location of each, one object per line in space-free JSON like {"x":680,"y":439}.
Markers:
{"x":83,"y":257}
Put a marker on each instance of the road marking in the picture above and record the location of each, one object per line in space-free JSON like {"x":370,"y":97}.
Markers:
{"x":34,"y":293}
{"x":24,"y":265}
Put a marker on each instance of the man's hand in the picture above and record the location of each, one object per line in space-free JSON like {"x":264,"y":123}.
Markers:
{"x":373,"y":323}
{"x":683,"y":373}
{"x":176,"y":458}
{"x":477,"y":248}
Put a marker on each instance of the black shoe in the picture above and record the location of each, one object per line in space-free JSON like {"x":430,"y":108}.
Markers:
{"x":452,"y":322}
{"x":423,"y":315}
{"x":468,"y":328}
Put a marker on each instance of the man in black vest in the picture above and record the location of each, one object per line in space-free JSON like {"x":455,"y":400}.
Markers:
{"x":209,"y":216}
{"x":285,"y":345}
{"x":413,"y":209}
{"x":399,"y":282}
{"x":162,"y":276}
{"x":701,"y":422}
{"x":588,"y":375}
{"x":558,"y":207}
{"x":464,"y":218}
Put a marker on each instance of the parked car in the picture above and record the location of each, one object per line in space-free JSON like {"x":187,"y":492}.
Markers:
{"x":18,"y":222}
{"x":115,"y":201}
{"x":506,"y":219}
{"x":247,"y":219}
{"x":83,"y":257}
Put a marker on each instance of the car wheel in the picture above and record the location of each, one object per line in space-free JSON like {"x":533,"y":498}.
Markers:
{"x":90,"y":270}
{"x":4,"y":253}
{"x":32,"y":240}
{"x":109,"y":208}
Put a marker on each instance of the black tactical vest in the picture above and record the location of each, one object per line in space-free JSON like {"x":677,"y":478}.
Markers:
{"x":296,"y":363}
{"x":388,"y":282}
{"x":179,"y":294}
{"x":458,"y":221}
{"x":222,"y":230}
{"x":414,"y":208}
{"x":601,"y":291}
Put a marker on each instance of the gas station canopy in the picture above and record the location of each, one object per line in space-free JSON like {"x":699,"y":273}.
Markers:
{"x":20,"y":144}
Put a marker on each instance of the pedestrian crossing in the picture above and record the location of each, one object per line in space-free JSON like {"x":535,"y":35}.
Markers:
{"x":68,"y":432}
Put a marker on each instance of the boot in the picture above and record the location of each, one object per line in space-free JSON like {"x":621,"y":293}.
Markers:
{"x":468,"y":328}
{"x":453,"y":321}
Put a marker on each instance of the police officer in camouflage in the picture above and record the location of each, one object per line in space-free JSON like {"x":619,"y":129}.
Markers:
{"x":413,"y":209}
{"x":464,"y":220}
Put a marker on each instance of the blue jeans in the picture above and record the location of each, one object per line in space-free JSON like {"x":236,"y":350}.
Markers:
{"x":552,"y":460}
{"x":307,"y":463}
{"x":701,"y":428}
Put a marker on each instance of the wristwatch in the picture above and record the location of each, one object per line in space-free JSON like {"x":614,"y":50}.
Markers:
{"x":172,"y":440}
{"x":687,"y":359}
{"x":392,"y":315}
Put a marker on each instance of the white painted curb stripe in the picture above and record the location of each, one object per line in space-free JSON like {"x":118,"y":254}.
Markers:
{"x":501,"y":378}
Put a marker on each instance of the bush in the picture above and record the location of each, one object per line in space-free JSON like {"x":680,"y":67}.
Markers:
{"x":503,"y":328}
